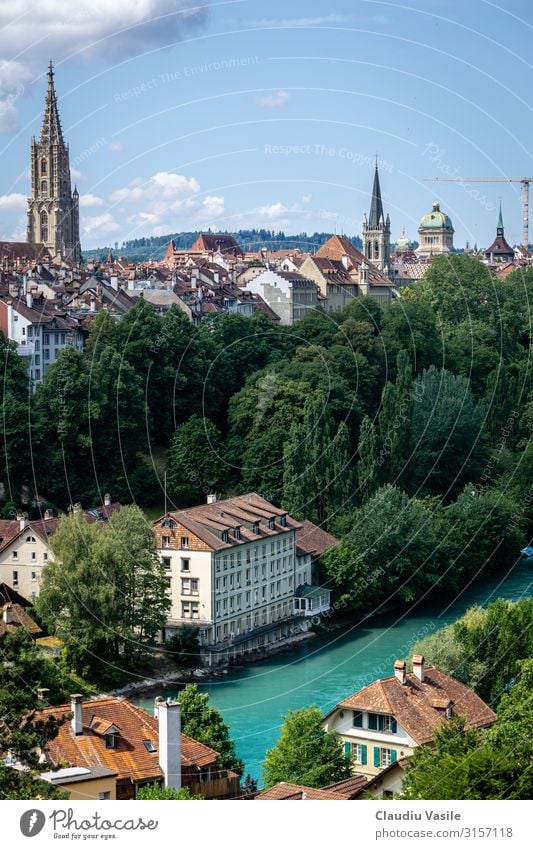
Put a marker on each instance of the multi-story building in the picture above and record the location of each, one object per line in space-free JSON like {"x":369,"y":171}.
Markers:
{"x":435,"y":233}
{"x":238,"y":572}
{"x":291,"y":295}
{"x":385,"y":721}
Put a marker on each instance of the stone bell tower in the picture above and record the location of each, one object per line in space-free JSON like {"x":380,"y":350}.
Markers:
{"x":376,"y":229}
{"x":53,"y":209}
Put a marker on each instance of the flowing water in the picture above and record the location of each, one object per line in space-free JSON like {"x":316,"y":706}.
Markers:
{"x":326,"y":669}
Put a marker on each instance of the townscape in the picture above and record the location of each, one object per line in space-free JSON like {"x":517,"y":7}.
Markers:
{"x":230,"y":451}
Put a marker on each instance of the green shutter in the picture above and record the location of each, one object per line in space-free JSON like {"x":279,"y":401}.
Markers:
{"x":357,"y":719}
{"x":347,"y":750}
{"x":392,"y":755}
{"x":377,"y":758}
{"x":373,"y":721}
{"x":363,"y":754}
{"x":394,"y":726}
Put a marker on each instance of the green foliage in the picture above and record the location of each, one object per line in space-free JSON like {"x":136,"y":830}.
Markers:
{"x":305,"y":753}
{"x":183,"y":647}
{"x":105,"y":592}
{"x":204,"y":723}
{"x":485,"y":647}
{"x":154,"y":792}
{"x":195,"y":462}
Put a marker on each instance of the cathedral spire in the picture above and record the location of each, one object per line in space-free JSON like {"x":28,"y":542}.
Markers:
{"x":499,"y":225}
{"x":376,"y":206}
{"x":51,"y":128}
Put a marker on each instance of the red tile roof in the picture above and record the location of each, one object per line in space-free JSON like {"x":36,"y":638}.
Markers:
{"x":310,"y":539}
{"x":419,"y":706}
{"x":297,"y":792}
{"x":19,"y":619}
{"x":130,"y":757}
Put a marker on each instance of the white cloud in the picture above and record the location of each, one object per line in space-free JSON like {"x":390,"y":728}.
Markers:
{"x":272,"y":101}
{"x":96,"y":28}
{"x":114,"y":147}
{"x":272,"y":211}
{"x":12,"y":202}
{"x":76,"y":174}
{"x":89,"y":200}
{"x":98,"y":225}
{"x":307,"y":198}
{"x":166,"y":193}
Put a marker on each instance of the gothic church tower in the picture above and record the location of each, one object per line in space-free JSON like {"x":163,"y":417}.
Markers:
{"x":53,"y":209}
{"x":376,"y":229}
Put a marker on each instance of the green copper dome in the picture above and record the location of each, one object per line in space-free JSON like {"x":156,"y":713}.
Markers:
{"x":436,"y":220}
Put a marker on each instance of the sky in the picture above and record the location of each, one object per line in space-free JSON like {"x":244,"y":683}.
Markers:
{"x":185,"y":115}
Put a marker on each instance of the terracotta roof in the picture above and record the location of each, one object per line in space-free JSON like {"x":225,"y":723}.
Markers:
{"x":338,"y":246}
{"x":43,"y":528}
{"x":350,"y":787}
{"x":8,"y":594}
{"x":130,"y":758}
{"x":19,"y":619}
{"x":209,"y":521}
{"x":297,"y":792}
{"x":213,"y":242}
{"x":103,"y":512}
{"x":310,"y":539}
{"x":24,"y":249}
{"x":412,"y":704}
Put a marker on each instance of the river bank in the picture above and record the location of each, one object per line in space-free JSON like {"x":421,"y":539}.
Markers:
{"x":333,"y":665}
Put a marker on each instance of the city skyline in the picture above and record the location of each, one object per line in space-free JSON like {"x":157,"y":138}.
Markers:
{"x":206,"y":117}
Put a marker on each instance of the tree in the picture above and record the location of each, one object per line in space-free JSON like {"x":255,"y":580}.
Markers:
{"x":195,"y":461}
{"x":14,"y":467}
{"x":105,"y":592}
{"x":367,"y":465}
{"x":204,"y":723}
{"x":154,"y":792}
{"x":24,"y":670}
{"x":305,"y":753}
{"x":447,"y":434}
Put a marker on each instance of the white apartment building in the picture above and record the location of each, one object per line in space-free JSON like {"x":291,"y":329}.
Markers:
{"x":238,"y":571}
{"x":289,"y":294}
{"x":24,"y":551}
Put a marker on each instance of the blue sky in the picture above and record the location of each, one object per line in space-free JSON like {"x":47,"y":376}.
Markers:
{"x":185,"y":115}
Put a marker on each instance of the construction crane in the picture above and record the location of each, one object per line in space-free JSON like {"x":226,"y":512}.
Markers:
{"x":525,"y":195}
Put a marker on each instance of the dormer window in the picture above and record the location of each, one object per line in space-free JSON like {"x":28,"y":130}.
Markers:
{"x":30,"y":539}
{"x":110,"y":741}
{"x":256,"y":527}
{"x":225,"y":537}
{"x":272,"y":523}
{"x":149,"y":746}
{"x":449,"y":711}
{"x":283,"y":521}
{"x":237,"y":533}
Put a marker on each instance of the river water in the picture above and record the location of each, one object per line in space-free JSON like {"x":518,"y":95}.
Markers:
{"x":326,"y":669}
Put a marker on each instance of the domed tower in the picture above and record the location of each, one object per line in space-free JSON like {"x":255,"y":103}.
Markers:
{"x":436,"y":233}
{"x":376,"y":229}
{"x":53,"y":210}
{"x":403,"y":244}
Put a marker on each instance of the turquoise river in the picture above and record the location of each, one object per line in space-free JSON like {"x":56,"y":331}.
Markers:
{"x":325,"y":669}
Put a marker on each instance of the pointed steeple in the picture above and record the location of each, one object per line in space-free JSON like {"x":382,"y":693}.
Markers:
{"x":376,"y":206}
{"x":51,"y":128}
{"x":499,"y":226}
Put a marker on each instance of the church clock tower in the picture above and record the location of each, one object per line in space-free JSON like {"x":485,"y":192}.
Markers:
{"x":376,"y":229}
{"x":53,"y":209}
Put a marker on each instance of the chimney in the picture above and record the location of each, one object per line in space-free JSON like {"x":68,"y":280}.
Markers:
{"x":77,"y":717}
{"x":169,"y":746}
{"x":346,"y":262}
{"x":157,"y":702}
{"x":9,"y":319}
{"x":400,"y":671}
{"x":194,"y":278}
{"x":107,"y":500}
{"x":114,"y":282}
{"x":93,"y":305}
{"x":43,"y":693}
{"x":7,"y":614}
{"x":216,"y":277}
{"x":22,"y":519}
{"x":76,"y":507}
{"x":48,"y":514}
{"x":211,"y":497}
{"x":29,"y":300}
{"x":418,"y":666}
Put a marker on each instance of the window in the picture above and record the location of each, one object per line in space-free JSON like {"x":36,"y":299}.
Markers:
{"x":185,"y":564}
{"x":237,"y":533}
{"x":166,"y":542}
{"x":185,"y":586}
{"x":44,"y":226}
{"x":34,"y":576}
{"x":43,"y":166}
{"x":383,"y":757}
{"x":256,"y":528}
{"x":44,"y":187}
{"x":272,"y":524}
{"x":184,"y":542}
{"x":166,"y":562}
{"x":33,"y":555}
{"x":357,"y":719}
{"x":380,"y":722}
{"x":15,"y":555}
{"x":104,"y":794}
{"x":358,"y":753}
{"x":46,"y":338}
{"x":45,"y":555}
{"x":149,"y":746}
{"x":225,"y":536}
{"x":15,"y":580}
{"x":110,"y":742}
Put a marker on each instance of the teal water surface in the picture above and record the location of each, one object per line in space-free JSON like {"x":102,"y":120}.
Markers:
{"x":326,"y":669}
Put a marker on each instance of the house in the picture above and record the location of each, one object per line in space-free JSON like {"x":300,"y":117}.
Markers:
{"x":288,"y":293}
{"x":385,"y":721}
{"x":132,"y":746}
{"x":25,"y":545}
{"x":13,"y":617}
{"x":233,"y":568}
{"x":285,"y":791}
{"x":363,"y":274}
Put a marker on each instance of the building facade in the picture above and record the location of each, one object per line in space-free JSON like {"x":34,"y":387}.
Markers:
{"x":291,"y":295}
{"x":53,"y":209}
{"x":435,"y":233}
{"x":237,"y":573}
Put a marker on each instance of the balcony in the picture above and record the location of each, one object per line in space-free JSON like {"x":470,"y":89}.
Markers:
{"x":225,"y":787}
